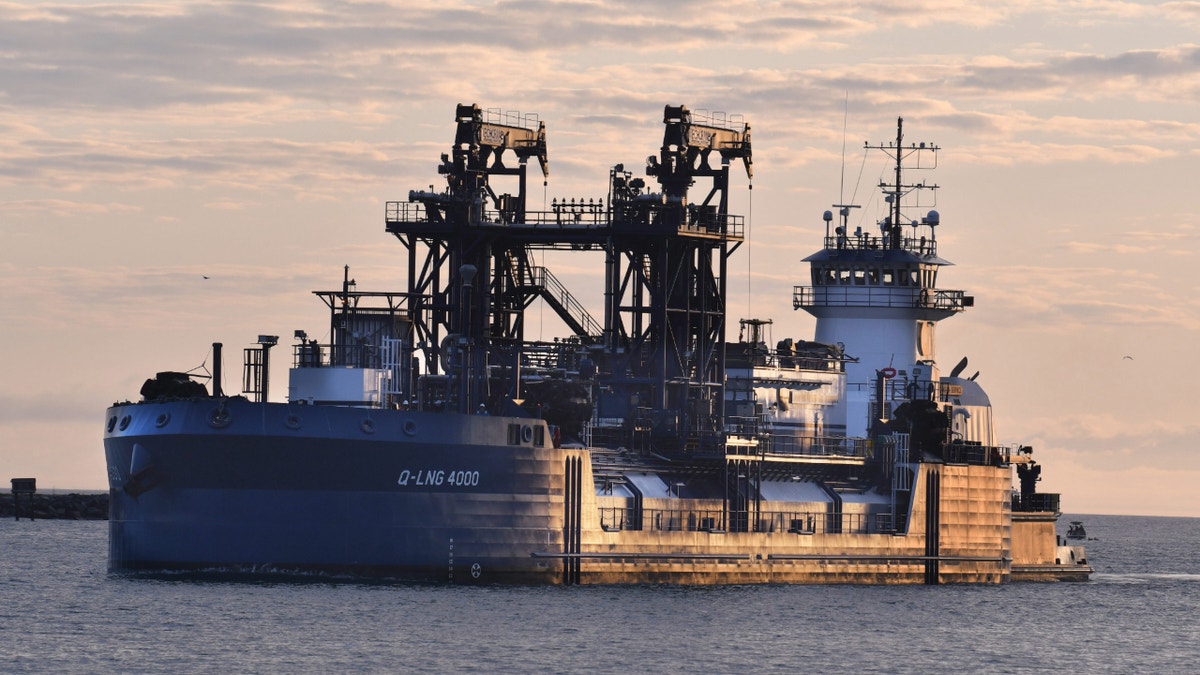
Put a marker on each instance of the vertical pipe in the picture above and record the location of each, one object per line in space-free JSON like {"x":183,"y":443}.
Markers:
{"x":216,"y":389}
{"x":341,"y":336}
{"x":933,"y":520}
{"x":266,"y":371}
{"x":467,"y":274}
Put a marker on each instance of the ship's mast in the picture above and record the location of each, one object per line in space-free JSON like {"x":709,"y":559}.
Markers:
{"x":899,"y":172}
{"x":919,"y":156}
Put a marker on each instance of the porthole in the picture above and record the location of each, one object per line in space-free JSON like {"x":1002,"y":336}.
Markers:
{"x":410,"y":427}
{"x":292,"y":421}
{"x":368,"y":426}
{"x":112,"y":423}
{"x":162,"y":420}
{"x":125,"y":423}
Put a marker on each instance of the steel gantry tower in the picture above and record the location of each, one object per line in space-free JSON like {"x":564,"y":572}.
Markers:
{"x":666,"y":274}
{"x":659,"y":355}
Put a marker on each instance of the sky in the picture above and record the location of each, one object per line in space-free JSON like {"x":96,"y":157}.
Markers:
{"x":145,"y":146}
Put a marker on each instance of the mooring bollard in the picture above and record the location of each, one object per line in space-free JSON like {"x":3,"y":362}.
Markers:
{"x":23,"y":486}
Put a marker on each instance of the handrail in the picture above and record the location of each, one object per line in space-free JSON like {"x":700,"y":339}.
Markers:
{"x":817,"y":446}
{"x":550,"y":284}
{"x":879,"y":296}
{"x":313,"y":355}
{"x":405,"y":212}
{"x":808,"y":446}
{"x":977,"y":455}
{"x":1037,"y":503}
{"x":614,"y":518}
{"x":864,"y":242}
{"x":542,"y":278}
{"x":571,"y":216}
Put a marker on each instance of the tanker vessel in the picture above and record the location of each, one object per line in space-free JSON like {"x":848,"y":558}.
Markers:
{"x":429,"y":438}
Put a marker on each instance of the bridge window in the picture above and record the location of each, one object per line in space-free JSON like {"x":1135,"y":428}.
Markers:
{"x":889,"y":277}
{"x":873,"y":276}
{"x":860,"y":276}
{"x":843,"y":275}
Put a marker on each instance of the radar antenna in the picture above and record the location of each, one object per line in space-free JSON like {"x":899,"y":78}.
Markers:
{"x":897,"y":191}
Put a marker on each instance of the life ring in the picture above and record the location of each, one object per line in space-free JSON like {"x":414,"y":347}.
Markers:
{"x":888,"y":373}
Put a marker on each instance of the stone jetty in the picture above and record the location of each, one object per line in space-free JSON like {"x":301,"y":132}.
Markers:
{"x":73,"y":506}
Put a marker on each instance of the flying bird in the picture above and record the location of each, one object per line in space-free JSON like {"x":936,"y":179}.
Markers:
{"x":1128,"y":357}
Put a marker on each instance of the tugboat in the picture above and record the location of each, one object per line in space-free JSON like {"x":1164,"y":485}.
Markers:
{"x":428,"y":438}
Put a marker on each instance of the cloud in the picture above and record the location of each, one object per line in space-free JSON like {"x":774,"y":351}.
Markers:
{"x":146,"y":145}
{"x":249,"y":164}
{"x":1187,"y":11}
{"x":1114,"y":444}
{"x":62,"y":208}
{"x":1066,"y":300}
{"x":67,"y":404}
{"x":155,"y":77}
{"x":273,"y":55}
{"x":53,"y":299}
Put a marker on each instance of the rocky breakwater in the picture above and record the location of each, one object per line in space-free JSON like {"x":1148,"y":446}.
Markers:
{"x":73,"y":506}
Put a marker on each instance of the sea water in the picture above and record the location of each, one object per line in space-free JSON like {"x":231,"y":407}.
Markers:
{"x":62,"y":612}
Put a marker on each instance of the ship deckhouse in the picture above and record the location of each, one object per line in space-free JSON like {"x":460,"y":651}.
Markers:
{"x":875,"y":294}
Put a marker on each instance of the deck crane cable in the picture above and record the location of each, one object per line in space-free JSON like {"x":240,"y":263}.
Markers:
{"x":749,"y":247}
{"x":861,"y":167}
{"x":542,"y":253}
{"x":203,"y":366}
{"x":845,"y":121}
{"x":862,"y":216}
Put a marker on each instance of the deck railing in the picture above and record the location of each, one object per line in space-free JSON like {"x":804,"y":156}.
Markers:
{"x":922,"y":246}
{"x":709,"y":520}
{"x":313,"y":355}
{"x":816,"y":446}
{"x":1041,"y":502}
{"x":577,"y":215}
{"x":879,"y":296}
{"x":977,"y":455}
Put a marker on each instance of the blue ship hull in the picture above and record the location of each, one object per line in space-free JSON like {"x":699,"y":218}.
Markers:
{"x":379,"y":493}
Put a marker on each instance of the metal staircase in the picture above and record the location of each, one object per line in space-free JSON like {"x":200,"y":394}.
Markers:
{"x":572,"y":312}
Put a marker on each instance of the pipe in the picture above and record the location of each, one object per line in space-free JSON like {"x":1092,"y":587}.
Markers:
{"x":216,"y":370}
